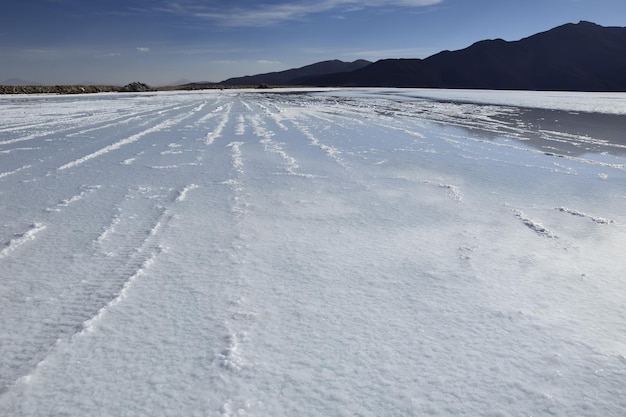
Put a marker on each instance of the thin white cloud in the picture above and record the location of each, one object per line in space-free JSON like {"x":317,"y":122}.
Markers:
{"x":270,"y":14}
{"x":227,"y":62}
{"x":392,"y":53}
{"x":268,"y":62}
{"x":142,"y":49}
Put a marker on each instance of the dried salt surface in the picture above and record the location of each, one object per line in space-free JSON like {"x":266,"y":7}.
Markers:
{"x":298,"y":252}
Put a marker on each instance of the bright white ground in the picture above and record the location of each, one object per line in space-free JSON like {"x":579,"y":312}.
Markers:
{"x":343,"y":253}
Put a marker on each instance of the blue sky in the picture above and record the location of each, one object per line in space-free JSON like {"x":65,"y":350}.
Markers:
{"x":160,"y":42}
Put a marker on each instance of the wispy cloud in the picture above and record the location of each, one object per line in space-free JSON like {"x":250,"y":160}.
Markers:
{"x":227,"y":62}
{"x":392,"y":53}
{"x":268,"y":62}
{"x":142,"y":49}
{"x":260,"y":15}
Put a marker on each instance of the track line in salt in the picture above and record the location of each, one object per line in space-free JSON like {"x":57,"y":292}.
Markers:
{"x":21,"y":239}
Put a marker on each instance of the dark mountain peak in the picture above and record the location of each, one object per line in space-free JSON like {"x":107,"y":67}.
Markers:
{"x":586,"y":23}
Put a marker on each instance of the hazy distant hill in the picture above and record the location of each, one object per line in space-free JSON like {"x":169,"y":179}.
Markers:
{"x":575,"y":57}
{"x":297,"y":75}
{"x":18,"y":82}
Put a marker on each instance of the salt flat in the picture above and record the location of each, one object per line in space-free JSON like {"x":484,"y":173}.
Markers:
{"x":370,"y":252}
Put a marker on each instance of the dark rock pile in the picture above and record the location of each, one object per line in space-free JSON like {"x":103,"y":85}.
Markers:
{"x":135,"y":87}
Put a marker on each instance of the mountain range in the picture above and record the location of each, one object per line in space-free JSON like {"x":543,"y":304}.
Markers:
{"x":299,"y":76}
{"x":572,"y":57}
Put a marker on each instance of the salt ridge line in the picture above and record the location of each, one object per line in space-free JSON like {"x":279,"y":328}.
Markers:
{"x":211,"y":136}
{"x":236,"y":184}
{"x":86,"y":190}
{"x":240,"y":129}
{"x":21,"y":239}
{"x":461,"y":115}
{"x":119,"y":144}
{"x":212,"y":114}
{"x":231,"y":358}
{"x":571,"y":138}
{"x":145,"y":246}
{"x":8,"y":151}
{"x":111,"y":228}
{"x":533,"y":225}
{"x":26,"y":138}
{"x":60,"y":130}
{"x":290,"y":163}
{"x":115,"y":122}
{"x":273,"y":115}
{"x":269,"y":145}
{"x":453,"y":190}
{"x":89,"y":325}
{"x":182,"y":194}
{"x":125,"y":119}
{"x":6,"y":174}
{"x":330,"y":151}
{"x":599,"y":220}
{"x":134,"y":230}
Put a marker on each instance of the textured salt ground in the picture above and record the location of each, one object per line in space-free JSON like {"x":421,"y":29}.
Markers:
{"x":259,"y":254}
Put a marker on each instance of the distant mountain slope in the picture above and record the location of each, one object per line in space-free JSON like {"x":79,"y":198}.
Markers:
{"x":574,"y":57}
{"x":298,"y":75}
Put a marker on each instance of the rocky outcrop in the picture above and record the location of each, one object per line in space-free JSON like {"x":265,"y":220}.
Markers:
{"x":136,"y":87}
